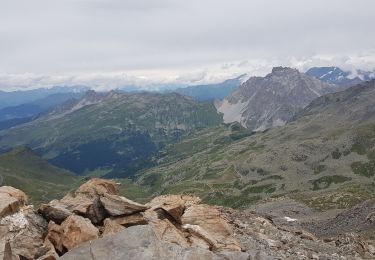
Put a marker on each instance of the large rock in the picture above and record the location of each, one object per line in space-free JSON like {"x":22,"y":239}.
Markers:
{"x":175,"y":205}
{"x":54,"y":236}
{"x":54,"y":211}
{"x":206,"y":222}
{"x":97,"y":187}
{"x":111,"y":227}
{"x":77,"y":230}
{"x":74,"y":231}
{"x":140,"y":242}
{"x":11,"y":200}
{"x":130,"y":220}
{"x":15,"y":193}
{"x":117,"y":205}
{"x":25,"y":232}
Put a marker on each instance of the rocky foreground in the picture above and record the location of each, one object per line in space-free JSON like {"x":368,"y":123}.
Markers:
{"x":94,"y":222}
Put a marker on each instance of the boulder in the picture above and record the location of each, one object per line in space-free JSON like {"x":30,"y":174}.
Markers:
{"x":77,"y":203}
{"x":77,"y":230}
{"x":71,"y":233}
{"x":140,"y":242}
{"x":130,"y":220}
{"x":54,"y":211}
{"x":174,"y":204}
{"x":25,"y":232}
{"x":97,"y":187}
{"x":111,"y":227}
{"x":11,"y":200}
{"x":15,"y":193}
{"x":96,"y":212}
{"x":117,"y":205}
{"x":205,"y":221}
{"x":54,"y":237}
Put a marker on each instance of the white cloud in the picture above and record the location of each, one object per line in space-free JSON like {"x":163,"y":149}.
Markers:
{"x":114,"y":42}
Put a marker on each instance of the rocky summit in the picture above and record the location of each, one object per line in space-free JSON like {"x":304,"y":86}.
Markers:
{"x":265,"y":102}
{"x":95,"y":222}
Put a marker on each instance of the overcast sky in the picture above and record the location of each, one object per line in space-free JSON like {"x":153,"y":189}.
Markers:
{"x":110,"y":43}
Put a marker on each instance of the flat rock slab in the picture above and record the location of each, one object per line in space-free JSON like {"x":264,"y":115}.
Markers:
{"x":140,"y":242}
{"x":118,"y":206}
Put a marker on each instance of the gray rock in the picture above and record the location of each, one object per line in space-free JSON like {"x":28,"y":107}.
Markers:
{"x":140,"y":242}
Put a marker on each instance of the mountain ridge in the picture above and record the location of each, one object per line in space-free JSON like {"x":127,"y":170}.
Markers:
{"x":120,"y":130}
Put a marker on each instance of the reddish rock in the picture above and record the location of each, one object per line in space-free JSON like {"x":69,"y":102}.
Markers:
{"x":174,"y":204}
{"x":207,"y":223}
{"x":117,"y":205}
{"x":11,"y":200}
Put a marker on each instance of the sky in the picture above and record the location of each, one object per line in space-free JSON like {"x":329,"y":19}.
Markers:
{"x":151,"y":43}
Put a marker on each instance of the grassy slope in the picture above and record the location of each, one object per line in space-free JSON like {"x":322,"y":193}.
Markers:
{"x":325,"y":159}
{"x":24,"y":170}
{"x":42,"y":182}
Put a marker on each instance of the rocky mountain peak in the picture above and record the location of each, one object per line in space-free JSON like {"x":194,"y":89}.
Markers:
{"x":114,"y":94}
{"x":265,"y":102}
{"x":282,"y":70}
{"x":335,"y":75}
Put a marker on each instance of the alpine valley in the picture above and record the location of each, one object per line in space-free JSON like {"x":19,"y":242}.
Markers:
{"x":274,"y":167}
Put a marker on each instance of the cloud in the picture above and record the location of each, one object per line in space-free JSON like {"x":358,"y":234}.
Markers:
{"x":100,"y":41}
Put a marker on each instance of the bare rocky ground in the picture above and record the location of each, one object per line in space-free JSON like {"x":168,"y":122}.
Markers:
{"x":94,"y":222}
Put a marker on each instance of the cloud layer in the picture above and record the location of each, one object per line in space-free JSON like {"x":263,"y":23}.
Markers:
{"x":110,"y":43}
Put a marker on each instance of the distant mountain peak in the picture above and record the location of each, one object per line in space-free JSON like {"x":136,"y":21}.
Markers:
{"x":337,"y":76}
{"x":281,"y":69}
{"x":265,"y":102}
{"x":211,"y":92}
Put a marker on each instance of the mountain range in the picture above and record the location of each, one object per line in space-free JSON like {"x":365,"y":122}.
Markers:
{"x":211,"y":92}
{"x":19,"y":97}
{"x":171,"y":143}
{"x":335,"y":75}
{"x":113,"y":132}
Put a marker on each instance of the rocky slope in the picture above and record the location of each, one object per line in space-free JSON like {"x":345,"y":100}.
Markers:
{"x":114,"y":132}
{"x":262,"y":103}
{"x":94,"y":222}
